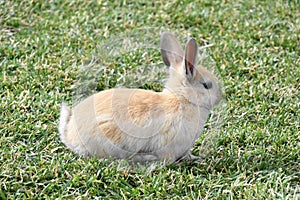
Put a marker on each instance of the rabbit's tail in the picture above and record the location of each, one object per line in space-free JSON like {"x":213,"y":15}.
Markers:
{"x":64,"y":118}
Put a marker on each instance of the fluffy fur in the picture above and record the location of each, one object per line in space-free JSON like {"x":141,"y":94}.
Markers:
{"x":144,"y":125}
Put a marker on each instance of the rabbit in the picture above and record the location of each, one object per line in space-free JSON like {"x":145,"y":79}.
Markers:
{"x":143,"y":125}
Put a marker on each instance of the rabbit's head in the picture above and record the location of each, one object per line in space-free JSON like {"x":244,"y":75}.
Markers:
{"x":186,"y":78}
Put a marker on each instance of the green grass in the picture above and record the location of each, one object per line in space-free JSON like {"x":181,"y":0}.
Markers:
{"x":253,"y":153}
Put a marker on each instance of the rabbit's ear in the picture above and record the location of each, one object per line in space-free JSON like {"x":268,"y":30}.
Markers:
{"x":171,"y":50}
{"x":190,"y":60}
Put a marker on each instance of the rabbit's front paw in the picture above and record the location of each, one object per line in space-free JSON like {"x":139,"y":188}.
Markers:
{"x":189,"y":157}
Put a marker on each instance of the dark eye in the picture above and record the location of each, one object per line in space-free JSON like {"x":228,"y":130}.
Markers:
{"x":207,"y":85}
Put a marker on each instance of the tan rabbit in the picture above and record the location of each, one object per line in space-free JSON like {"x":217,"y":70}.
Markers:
{"x":143,"y":125}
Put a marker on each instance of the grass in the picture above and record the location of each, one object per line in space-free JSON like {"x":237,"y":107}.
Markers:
{"x":254,"y":153}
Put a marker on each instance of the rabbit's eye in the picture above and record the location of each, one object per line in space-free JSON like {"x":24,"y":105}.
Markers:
{"x":207,"y":85}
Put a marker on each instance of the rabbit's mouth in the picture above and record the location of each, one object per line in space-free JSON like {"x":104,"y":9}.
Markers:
{"x":205,"y":107}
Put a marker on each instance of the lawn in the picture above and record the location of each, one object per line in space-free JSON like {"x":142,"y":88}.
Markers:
{"x":64,"y":50}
